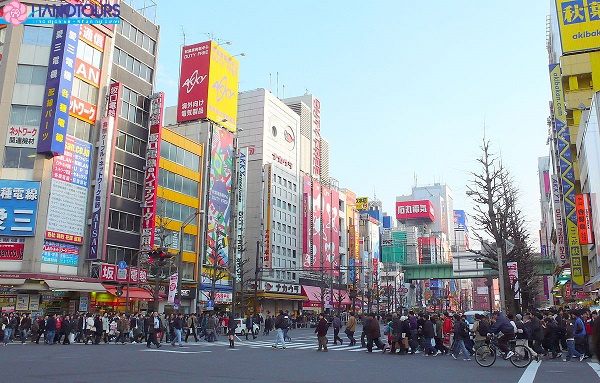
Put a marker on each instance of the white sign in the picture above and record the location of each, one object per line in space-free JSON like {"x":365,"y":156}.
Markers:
{"x":173,"y":287}
{"x":482,"y":290}
{"x":83,"y":304}
{"x":34,"y":302}
{"x":22,"y":136}
{"x":22,"y":302}
{"x":66,"y":209}
{"x":241,"y":210}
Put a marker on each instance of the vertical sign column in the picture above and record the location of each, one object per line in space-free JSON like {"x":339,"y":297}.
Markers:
{"x":241,"y":209}
{"x":151,"y":174}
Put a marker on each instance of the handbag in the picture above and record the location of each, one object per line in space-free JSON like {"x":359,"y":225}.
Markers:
{"x":347,"y":331}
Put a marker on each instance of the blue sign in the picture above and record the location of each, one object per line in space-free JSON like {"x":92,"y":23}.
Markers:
{"x":60,"y":253}
{"x":460,"y":221}
{"x":210,"y":303}
{"x":57,"y":96}
{"x":351,"y":269}
{"x":18,"y":207}
{"x":122,"y":265}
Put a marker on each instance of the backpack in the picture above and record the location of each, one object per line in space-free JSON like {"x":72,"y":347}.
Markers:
{"x":484,"y":328}
{"x":286,"y":323}
{"x":465,"y":330}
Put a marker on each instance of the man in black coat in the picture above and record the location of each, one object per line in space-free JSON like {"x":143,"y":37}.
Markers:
{"x":321,"y":332}
{"x":66,"y":327}
{"x":50,"y":329}
{"x":428,"y":333}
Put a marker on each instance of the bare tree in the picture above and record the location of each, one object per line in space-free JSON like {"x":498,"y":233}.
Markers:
{"x":498,"y":216}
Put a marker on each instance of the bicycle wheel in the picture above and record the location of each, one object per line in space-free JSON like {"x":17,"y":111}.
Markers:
{"x":485,"y":356}
{"x":521,"y":358}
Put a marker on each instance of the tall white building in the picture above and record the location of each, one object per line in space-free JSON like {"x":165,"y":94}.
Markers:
{"x":271,"y":131}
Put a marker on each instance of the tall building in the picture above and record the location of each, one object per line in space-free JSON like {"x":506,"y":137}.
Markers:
{"x":56,"y":89}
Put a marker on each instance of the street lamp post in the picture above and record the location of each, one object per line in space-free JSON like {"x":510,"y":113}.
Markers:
{"x":180,"y":244}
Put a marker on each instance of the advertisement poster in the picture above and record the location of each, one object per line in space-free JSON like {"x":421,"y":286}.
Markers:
{"x":219,"y":200}
{"x":22,"y":302}
{"x":18,"y":207}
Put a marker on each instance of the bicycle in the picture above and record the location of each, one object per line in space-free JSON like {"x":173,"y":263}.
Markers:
{"x":485,"y":355}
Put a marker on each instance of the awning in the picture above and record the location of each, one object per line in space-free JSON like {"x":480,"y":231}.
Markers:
{"x":23,"y":284}
{"x":314,"y":295}
{"x":11,"y":281}
{"x":88,"y":287}
{"x":134,"y":293}
{"x":595,"y":278}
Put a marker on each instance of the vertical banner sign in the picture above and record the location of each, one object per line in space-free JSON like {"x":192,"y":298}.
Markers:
{"x":267,"y":257}
{"x":317,"y":227}
{"x":219,"y":197}
{"x":557,"y":205}
{"x":513,"y":275}
{"x":55,"y":107}
{"x":567,"y":177}
{"x":151,"y":174}
{"x":173,"y":287}
{"x":316,"y":138}
{"x":584,"y":219}
{"x":327,"y":253}
{"x":335,"y":230}
{"x":18,"y":207}
{"x":103,"y":167}
{"x":307,"y":255}
{"x":241,"y":209}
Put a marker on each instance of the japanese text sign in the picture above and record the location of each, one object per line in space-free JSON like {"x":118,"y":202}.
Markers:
{"x":18,"y":207}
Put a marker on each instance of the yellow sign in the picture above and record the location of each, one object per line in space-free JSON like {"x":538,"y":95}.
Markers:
{"x":362,"y":203}
{"x":579,"y":25}
{"x":222,"y":100}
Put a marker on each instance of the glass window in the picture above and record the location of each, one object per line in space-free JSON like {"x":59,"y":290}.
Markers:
{"x":126,"y":28}
{"x":25,"y":115}
{"x":19,"y":158}
{"x":24,"y":74}
{"x":34,"y":35}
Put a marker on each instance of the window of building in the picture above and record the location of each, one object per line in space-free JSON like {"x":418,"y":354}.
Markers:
{"x":37,"y":35}
{"x":79,"y":129}
{"x":136,"y":36}
{"x":128,"y":182}
{"x":19,"y":158}
{"x":180,"y":156}
{"x":130,"y":63}
{"x":178,"y":183}
{"x":31,"y":74}
{"x":189,"y":240}
{"x":174,"y":210}
{"x":188,"y":269}
{"x":134,"y":107}
{"x":25,"y":115}
{"x":115,"y":254}
{"x":84,"y":91}
{"x":122,"y":221}
{"x":131,"y":144}
{"x":89,"y":54}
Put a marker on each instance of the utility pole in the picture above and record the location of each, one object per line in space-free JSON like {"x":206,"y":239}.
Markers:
{"x":256,"y":270}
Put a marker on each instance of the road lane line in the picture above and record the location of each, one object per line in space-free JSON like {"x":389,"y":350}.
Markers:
{"x":529,"y":374}
{"x":595,"y":367}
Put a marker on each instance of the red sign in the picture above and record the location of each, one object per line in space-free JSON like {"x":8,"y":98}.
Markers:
{"x":283,"y":161}
{"x":151,"y":174}
{"x":375,"y":266}
{"x":82,"y":110}
{"x":113,"y":100}
{"x":92,"y":36}
{"x":415,"y":210}
{"x":317,"y":137}
{"x":11,"y":251}
{"x":108,"y":272}
{"x":193,"y":82}
{"x":71,"y":238}
{"x":584,"y":219}
{"x":143,"y":276}
{"x":87,"y":73}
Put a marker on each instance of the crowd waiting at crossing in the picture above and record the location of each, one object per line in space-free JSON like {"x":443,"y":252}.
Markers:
{"x":551,"y":334}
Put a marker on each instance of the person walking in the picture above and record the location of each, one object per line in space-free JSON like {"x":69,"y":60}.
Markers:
{"x":250,"y":326}
{"x":395,"y":332}
{"x":50,"y":329}
{"x":268,"y":325}
{"x":321,"y":331}
{"x":279,"y":323}
{"x":373,"y":333}
{"x":428,"y":332}
{"x":66,"y":328}
{"x":231,"y":326}
{"x":25,"y":327}
{"x":337,"y":324}
{"x":153,"y":328}
{"x":351,"y":329}
{"x":460,"y":332}
{"x":177,"y":330}
{"x":570,"y":335}
{"x":192,"y":324}
{"x":41,"y":329}
{"x":105,"y":327}
{"x":122,"y":329}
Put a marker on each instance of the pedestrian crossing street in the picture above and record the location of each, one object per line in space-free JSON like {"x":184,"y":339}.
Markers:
{"x":301,"y":343}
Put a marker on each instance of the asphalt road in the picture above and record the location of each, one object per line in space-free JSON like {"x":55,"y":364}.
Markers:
{"x":255,"y":361}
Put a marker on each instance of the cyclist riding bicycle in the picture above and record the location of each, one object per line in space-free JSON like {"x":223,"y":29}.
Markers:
{"x":502,"y":325}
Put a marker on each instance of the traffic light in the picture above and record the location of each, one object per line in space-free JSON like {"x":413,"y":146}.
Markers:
{"x":119,"y":291}
{"x":159,"y":254}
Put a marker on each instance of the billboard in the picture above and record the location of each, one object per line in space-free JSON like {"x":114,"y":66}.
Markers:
{"x":567,"y":176}
{"x":59,"y":82}
{"x":208,"y":85}
{"x":151,"y":172}
{"x":307,"y":222}
{"x":415,"y":210}
{"x":584,"y":219}
{"x":460,"y":221}
{"x":22,"y":136}
{"x":559,"y":222}
{"x":362,"y":203}
{"x":219,"y":197}
{"x":67,"y":205}
{"x":18,"y":207}
{"x":316,"y":138}
{"x":335,"y":230}
{"x":579,"y":25}
{"x":60,"y":253}
{"x":317,"y":226}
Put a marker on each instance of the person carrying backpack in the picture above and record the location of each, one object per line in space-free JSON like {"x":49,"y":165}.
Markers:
{"x":481,"y":328}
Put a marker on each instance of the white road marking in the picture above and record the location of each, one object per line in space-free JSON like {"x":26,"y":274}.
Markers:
{"x":529,"y":374}
{"x":174,"y":351}
{"x":595,"y":367}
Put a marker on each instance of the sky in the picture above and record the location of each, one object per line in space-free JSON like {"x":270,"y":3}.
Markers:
{"x":408,"y":90}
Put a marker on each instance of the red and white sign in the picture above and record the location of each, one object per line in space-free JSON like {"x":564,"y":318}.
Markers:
{"x":415,"y":210}
{"x":143,"y":276}
{"x":22,"y":136}
{"x":375,"y":266}
{"x":316,"y":126}
{"x":584,"y":219}
{"x":151,"y":175}
{"x":173,"y":287}
{"x":283,"y":161}
{"x":82,"y":110}
{"x":108,"y":272}
{"x":113,"y":100}
{"x":92,"y":36}
{"x":87,"y":73}
{"x":11,"y":251}
{"x":193,"y":82}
